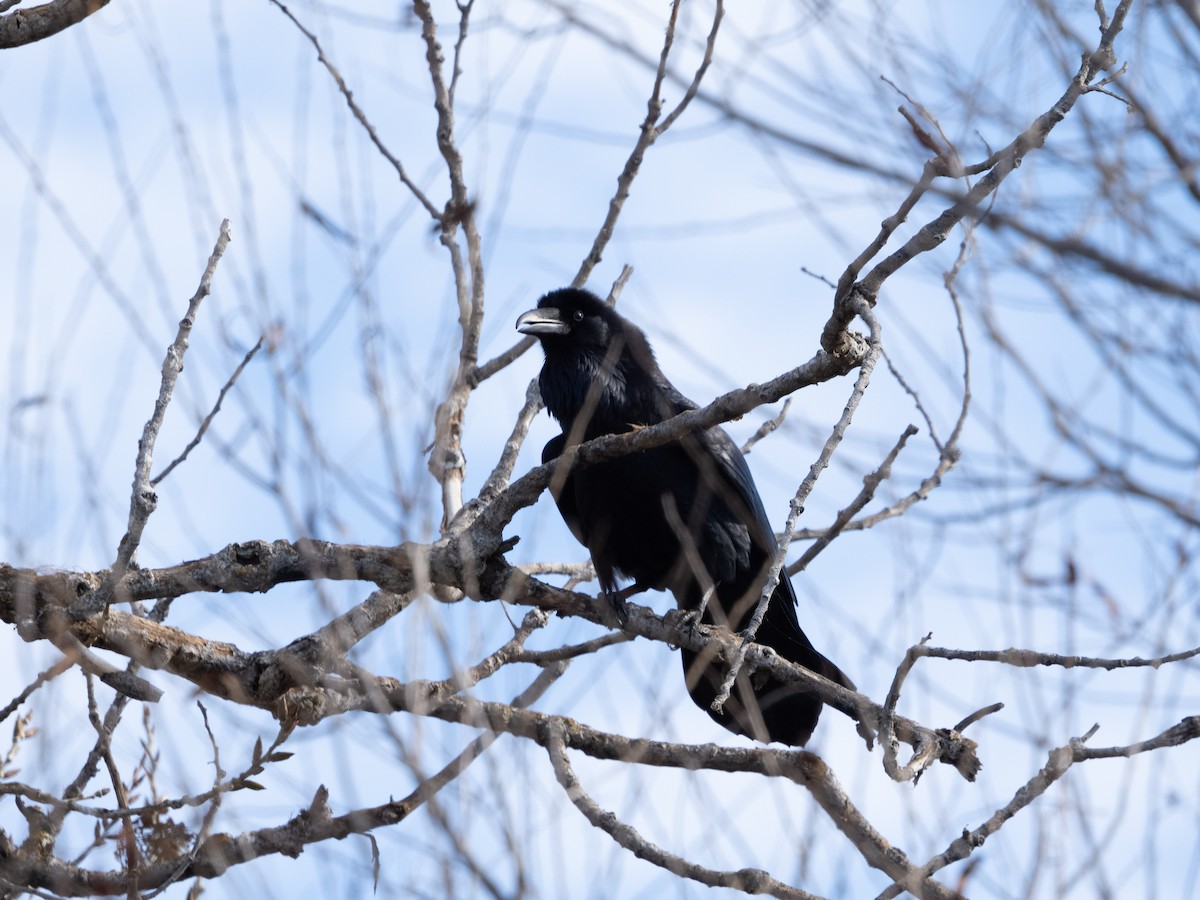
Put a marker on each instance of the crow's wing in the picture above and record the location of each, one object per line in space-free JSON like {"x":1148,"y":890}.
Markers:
{"x":565,"y":497}
{"x":736,"y":485}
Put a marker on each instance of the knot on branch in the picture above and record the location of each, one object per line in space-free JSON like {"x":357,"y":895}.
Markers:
{"x":301,"y":706}
{"x":849,"y":345}
{"x":961,"y":752}
{"x":836,"y":337}
{"x":248,"y":554}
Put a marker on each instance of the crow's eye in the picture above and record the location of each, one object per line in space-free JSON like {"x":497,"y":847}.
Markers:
{"x":577,"y":315}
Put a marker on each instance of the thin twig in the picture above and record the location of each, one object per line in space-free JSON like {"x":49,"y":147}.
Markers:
{"x":796,"y":507}
{"x":208,"y":420}
{"x":143,"y":501}
{"x":44,"y":676}
{"x":871,"y":484}
{"x":503,"y":470}
{"x":361,"y":116}
{"x":752,"y":881}
{"x":767,"y":427}
{"x":948,"y":452}
{"x":1029,"y":658}
{"x":1060,"y":760}
{"x":571,"y":651}
{"x":651,"y":131}
{"x":922,"y":758}
{"x":447,"y":463}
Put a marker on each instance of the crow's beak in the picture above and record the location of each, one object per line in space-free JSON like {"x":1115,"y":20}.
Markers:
{"x":546,"y":320}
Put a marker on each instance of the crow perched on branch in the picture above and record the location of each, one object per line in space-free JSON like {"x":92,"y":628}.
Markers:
{"x":684,"y":517}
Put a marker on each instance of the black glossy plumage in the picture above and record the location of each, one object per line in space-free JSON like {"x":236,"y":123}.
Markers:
{"x":682,"y":517}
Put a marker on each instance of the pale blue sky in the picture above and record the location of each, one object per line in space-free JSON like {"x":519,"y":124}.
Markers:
{"x":221,"y":111}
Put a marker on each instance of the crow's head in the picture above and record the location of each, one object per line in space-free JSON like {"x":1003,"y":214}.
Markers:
{"x":573,"y":320}
{"x":596,"y":361}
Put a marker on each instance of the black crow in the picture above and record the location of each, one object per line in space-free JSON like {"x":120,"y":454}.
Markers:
{"x":684,"y":517}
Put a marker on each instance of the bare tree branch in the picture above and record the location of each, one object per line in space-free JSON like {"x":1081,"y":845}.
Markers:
{"x":144,"y":500}
{"x":28,"y":25}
